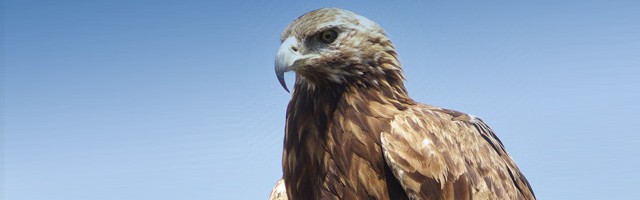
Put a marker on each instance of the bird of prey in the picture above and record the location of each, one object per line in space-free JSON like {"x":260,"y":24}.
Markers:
{"x":353,"y":132}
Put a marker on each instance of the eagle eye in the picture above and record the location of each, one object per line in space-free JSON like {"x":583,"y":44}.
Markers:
{"x":328,"y":36}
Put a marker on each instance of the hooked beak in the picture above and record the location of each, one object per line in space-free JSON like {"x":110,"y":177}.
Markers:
{"x":287,"y":57}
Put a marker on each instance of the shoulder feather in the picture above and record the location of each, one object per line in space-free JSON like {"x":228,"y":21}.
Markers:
{"x":444,"y":154}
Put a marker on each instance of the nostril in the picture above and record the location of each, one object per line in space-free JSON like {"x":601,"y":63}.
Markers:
{"x":294,"y":49}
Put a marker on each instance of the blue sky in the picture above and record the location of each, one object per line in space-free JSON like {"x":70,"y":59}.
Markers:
{"x":178,"y":99}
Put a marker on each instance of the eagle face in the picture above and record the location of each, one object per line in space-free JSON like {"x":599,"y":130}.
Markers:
{"x":331,"y":46}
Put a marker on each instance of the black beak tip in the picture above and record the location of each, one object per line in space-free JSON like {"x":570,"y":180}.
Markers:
{"x":282,"y":81}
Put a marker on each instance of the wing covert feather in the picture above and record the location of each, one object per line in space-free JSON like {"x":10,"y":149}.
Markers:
{"x":444,"y":154}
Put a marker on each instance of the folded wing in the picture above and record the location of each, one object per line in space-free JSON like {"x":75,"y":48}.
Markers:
{"x":444,"y":154}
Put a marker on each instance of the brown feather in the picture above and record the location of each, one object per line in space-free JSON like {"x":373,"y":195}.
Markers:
{"x":458,"y":151}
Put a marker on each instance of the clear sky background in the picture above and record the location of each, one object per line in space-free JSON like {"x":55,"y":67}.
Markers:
{"x":131,"y":100}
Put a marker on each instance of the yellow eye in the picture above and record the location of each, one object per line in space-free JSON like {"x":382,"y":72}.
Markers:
{"x":328,"y":36}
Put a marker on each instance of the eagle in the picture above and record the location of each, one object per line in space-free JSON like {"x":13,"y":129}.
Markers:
{"x":353,"y":132}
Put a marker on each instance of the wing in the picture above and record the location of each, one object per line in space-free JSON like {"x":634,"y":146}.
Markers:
{"x":444,"y":154}
{"x":279,"y":191}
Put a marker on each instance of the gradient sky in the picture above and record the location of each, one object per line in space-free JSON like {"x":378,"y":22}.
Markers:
{"x":108,"y":100}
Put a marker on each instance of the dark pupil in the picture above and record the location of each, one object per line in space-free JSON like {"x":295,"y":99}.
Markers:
{"x":328,"y":36}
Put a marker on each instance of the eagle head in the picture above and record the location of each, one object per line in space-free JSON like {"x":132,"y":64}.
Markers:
{"x":332,"y":47}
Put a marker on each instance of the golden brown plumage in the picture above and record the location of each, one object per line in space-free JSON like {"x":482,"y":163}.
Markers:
{"x":352,"y":132}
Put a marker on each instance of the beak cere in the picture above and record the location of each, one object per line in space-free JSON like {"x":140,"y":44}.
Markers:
{"x":287,"y":56}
